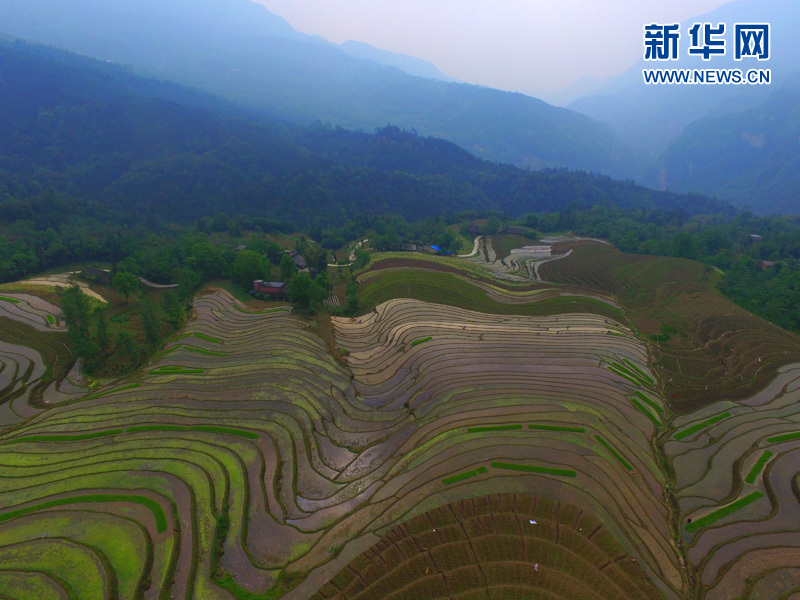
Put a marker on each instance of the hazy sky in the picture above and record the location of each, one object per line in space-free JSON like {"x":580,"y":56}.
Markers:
{"x":530,"y":46}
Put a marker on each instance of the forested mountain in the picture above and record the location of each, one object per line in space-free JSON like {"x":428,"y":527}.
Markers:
{"x":240,"y":50}
{"x":750,"y":157}
{"x":94,"y":131}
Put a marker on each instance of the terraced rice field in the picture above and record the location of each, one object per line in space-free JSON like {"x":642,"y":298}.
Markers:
{"x":718,"y":351}
{"x":256,"y":467}
{"x":498,"y":546}
{"x":31,"y":310}
{"x":31,"y":356}
{"x":736,"y":465}
{"x":525,"y":399}
{"x":475,"y":439}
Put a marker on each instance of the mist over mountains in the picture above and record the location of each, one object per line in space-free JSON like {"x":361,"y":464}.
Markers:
{"x":243,"y":52}
{"x":261,"y":66}
{"x":81,"y":128}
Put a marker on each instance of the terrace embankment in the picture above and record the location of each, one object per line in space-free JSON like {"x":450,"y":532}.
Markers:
{"x":706,"y":348}
{"x":558,"y":405}
{"x":498,"y":546}
{"x":247,"y":461}
{"x":736,"y":468}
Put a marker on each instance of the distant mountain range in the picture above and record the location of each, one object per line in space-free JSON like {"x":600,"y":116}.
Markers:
{"x":238,"y":49}
{"x":650,"y":116}
{"x":750,"y":157}
{"x":735,"y":141}
{"x":74,"y":126}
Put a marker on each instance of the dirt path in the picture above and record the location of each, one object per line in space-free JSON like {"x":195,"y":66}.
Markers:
{"x":474,"y":248}
{"x":352,"y":257}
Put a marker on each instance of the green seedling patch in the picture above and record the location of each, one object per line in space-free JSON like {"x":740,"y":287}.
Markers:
{"x":493,"y":428}
{"x":649,"y":401}
{"x":463,"y":476}
{"x":701,"y":425}
{"x":118,"y":389}
{"x":63,"y":437}
{"x":207,"y":338}
{"x":784,"y":437}
{"x":152,"y":505}
{"x":751,"y":476}
{"x":534,"y":469}
{"x":557,"y":428}
{"x":646,"y":412}
{"x":614,"y":453}
{"x":723,"y":512}
{"x":422,"y":340}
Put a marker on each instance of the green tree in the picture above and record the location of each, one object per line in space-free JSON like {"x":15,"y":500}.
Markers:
{"x":151,"y":321}
{"x":288,"y":268}
{"x":362,"y":259}
{"x":125,"y":283}
{"x":127,"y":344}
{"x":352,"y":298}
{"x":248,"y":266}
{"x":77,"y":311}
{"x":102,"y":336}
{"x":684,"y":246}
{"x":491,"y":226}
{"x":173,"y":309}
{"x":305,"y":291}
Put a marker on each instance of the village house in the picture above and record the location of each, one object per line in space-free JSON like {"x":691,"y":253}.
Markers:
{"x":274,"y":290}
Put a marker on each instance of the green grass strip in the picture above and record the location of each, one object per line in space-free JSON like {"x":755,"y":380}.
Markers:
{"x":421,"y":340}
{"x":534,"y":469}
{"x":171,"y":371}
{"x":225,"y":430}
{"x":493,"y":428}
{"x":646,"y":412}
{"x":751,"y":476}
{"x":630,"y":375}
{"x":784,"y":437}
{"x":701,"y":425}
{"x":465,"y":475}
{"x":155,"y":507}
{"x":51,"y":319}
{"x":204,"y":351}
{"x":140,"y":428}
{"x":206,"y":428}
{"x":649,"y":400}
{"x":723,"y":512}
{"x":630,"y":378}
{"x":119,"y":389}
{"x":638,"y":370}
{"x":207,"y":338}
{"x":63,"y":437}
{"x":12,"y":300}
{"x":616,"y":454}
{"x":615,"y":333}
{"x":557,"y":428}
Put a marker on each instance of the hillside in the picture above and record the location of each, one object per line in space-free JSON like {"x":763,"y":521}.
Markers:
{"x":94,"y":131}
{"x":750,"y":157}
{"x":649,"y":117}
{"x":241,"y":51}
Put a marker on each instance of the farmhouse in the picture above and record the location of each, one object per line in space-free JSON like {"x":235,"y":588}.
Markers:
{"x":298,"y":260}
{"x":276,"y":290}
